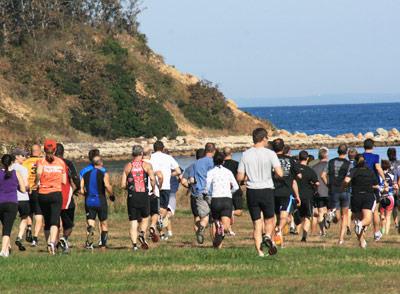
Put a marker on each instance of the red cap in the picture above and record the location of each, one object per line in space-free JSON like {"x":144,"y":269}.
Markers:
{"x":50,"y":144}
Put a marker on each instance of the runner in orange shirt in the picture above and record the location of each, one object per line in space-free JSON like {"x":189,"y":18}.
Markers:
{"x":51,"y":175}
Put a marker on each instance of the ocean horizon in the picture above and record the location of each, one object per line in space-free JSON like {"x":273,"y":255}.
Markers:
{"x":331,"y":119}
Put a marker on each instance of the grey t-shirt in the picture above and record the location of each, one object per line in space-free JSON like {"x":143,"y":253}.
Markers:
{"x":323,"y":190}
{"x":257,"y":164}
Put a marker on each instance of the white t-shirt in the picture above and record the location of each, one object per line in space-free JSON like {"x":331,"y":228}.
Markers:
{"x":221,"y":182}
{"x":165,"y":164}
{"x":156,"y":190}
{"x":23,"y":171}
{"x":257,"y":164}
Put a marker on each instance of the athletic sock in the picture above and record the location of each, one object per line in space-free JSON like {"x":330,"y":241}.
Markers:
{"x":305,"y":235}
{"x":104,"y":238}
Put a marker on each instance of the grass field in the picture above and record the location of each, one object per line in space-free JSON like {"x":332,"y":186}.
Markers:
{"x":179,"y":265}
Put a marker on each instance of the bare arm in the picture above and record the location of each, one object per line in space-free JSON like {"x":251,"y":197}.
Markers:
{"x":296,"y":193}
{"x":149,"y":170}
{"x":39,"y":172}
{"x":240,"y":177}
{"x":107,"y":184}
{"x":324,"y":177}
{"x":176,"y":172}
{"x":82,"y":186}
{"x":124,"y":177}
{"x":21,"y":183}
{"x":380,"y":172}
{"x":278,"y":171}
{"x":160,"y":179}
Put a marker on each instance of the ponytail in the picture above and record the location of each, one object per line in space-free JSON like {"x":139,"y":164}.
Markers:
{"x":360,"y":160}
{"x":49,"y":157}
{"x":6,"y":161}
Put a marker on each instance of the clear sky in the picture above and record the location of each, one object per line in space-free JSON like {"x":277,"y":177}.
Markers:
{"x":261,"y":52}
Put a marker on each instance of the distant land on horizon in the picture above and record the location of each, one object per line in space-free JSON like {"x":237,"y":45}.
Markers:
{"x":325,"y":99}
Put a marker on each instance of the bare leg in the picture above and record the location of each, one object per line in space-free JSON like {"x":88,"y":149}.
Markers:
{"x":343,"y":223}
{"x":5,"y":245}
{"x":257,"y":234}
{"x":133,"y":232}
{"x":22,"y":227}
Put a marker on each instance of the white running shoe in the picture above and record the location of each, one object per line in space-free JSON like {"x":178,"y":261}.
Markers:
{"x":358,"y":228}
{"x":4,"y":255}
{"x":169,"y":234}
{"x":377,"y":235}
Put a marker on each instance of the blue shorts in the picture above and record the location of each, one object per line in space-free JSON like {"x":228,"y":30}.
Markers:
{"x":339,"y":200}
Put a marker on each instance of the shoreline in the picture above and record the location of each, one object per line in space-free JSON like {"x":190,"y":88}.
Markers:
{"x":120,"y":149}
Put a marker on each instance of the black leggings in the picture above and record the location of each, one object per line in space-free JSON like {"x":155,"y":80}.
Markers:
{"x":51,"y":204}
{"x":8,"y":213}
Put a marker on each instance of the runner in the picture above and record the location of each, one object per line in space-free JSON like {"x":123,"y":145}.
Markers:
{"x":321,"y":199}
{"x":23,"y":198}
{"x":395,"y":169}
{"x":91,"y":155}
{"x":237,"y":196}
{"x":31,"y":165}
{"x":68,"y":204}
{"x":168,"y":167}
{"x":352,"y":158}
{"x":95,"y":184}
{"x":307,"y":189}
{"x":154,"y":198}
{"x":386,"y":199}
{"x":286,"y":191}
{"x":188,"y":182}
{"x":201,"y":201}
{"x":51,"y":174}
{"x":220,"y":185}
{"x":135,"y":179}
{"x":373,"y":163}
{"x":257,"y":164}
{"x":339,"y":197}
{"x":10,"y":183}
{"x":363,"y":182}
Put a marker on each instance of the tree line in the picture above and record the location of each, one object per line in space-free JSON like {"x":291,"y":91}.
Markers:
{"x":22,"y":19}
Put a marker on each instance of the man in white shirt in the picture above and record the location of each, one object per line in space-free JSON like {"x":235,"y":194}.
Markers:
{"x":168,"y":167}
{"x":23,"y":198}
{"x":256,"y":166}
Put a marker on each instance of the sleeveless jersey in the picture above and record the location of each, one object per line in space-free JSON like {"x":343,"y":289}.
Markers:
{"x":95,"y":188}
{"x":51,"y":178}
{"x":137,"y":180}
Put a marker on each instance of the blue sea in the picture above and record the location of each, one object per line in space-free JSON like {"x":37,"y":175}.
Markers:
{"x":332,"y":119}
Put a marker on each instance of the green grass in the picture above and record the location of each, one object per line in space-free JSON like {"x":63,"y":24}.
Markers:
{"x":181,"y":266}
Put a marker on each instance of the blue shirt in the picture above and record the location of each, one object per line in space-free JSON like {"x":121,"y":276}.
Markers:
{"x":372,"y":159}
{"x":199,"y":172}
{"x":89,"y":168}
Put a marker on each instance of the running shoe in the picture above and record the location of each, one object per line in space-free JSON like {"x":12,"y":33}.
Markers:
{"x":164,"y":237}
{"x":51,"y":248}
{"x":88,"y":245}
{"x":261,"y":254}
{"x":153,"y":235}
{"x":219,"y":235}
{"x":341,"y":242}
{"x":348,"y":231}
{"x":358,"y":228}
{"x":293,"y":231}
{"x":4,"y":255}
{"x":19,"y":244}
{"x":143,"y":243}
{"x":169,"y":234}
{"x":34,"y":242}
{"x":135,"y":248}
{"x":272,"y":250}
{"x":160,"y":224}
{"x":278,"y":239}
{"x":199,"y":234}
{"x":304,"y":239}
{"x":377,"y":236}
{"x":64,"y":245}
{"x":231,"y":233}
{"x":28,"y":236}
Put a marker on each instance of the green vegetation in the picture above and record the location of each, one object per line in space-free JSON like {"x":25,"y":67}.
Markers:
{"x":180,"y":266}
{"x":206,"y":106}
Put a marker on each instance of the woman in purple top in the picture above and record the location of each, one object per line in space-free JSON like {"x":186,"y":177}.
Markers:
{"x":10,"y":182}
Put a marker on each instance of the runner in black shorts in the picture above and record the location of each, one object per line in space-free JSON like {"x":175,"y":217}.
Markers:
{"x":257,"y":164}
{"x":307,"y":188}
{"x":285,"y":187}
{"x":94,"y":185}
{"x":237,"y":196}
{"x":135,"y":179}
{"x":363,"y":183}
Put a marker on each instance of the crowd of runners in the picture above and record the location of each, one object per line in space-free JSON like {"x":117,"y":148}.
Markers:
{"x":283,"y":193}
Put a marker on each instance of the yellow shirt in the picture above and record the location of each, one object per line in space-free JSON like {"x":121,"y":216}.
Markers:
{"x":31,"y":165}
